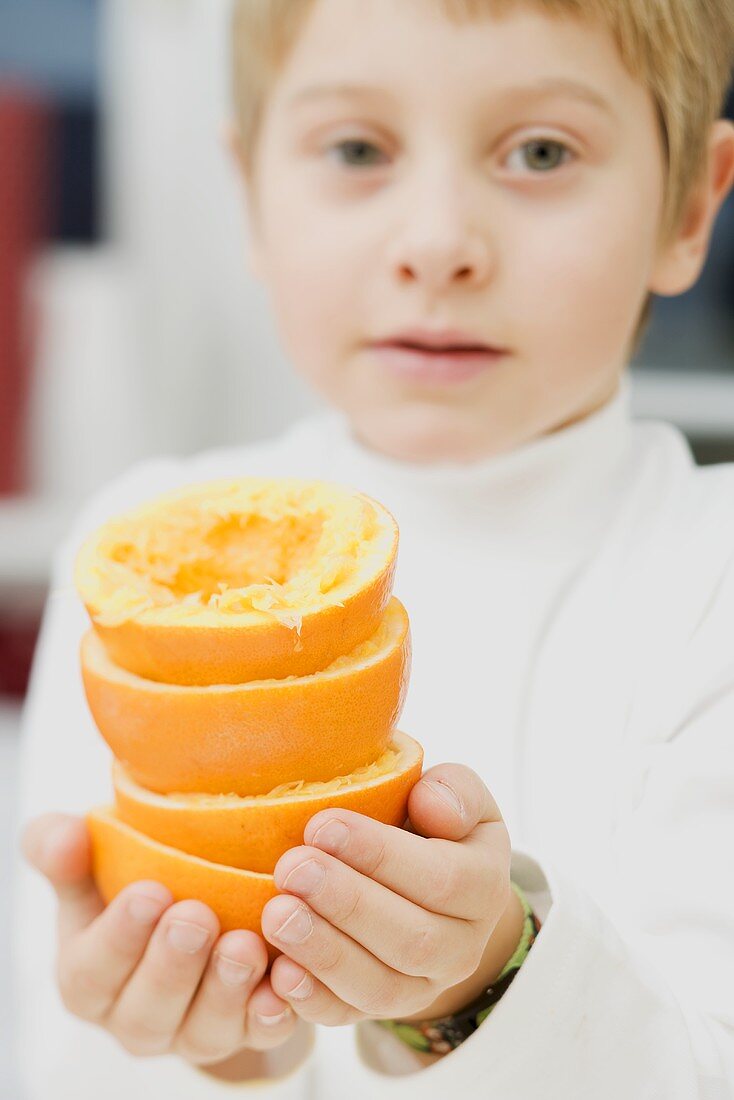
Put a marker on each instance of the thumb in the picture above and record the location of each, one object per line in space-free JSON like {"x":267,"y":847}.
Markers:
{"x":58,"y":846}
{"x":449,"y":801}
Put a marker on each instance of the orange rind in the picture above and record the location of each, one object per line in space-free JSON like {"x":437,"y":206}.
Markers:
{"x":241,"y":579}
{"x":247,"y":738}
{"x":253,"y":833}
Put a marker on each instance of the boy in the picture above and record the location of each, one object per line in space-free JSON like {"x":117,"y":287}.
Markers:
{"x":460,"y":247}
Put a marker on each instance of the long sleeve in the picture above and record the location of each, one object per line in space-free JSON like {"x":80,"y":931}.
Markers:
{"x":629,"y":992}
{"x":65,"y":766}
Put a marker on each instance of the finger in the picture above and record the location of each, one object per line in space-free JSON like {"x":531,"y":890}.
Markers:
{"x":95,"y":964}
{"x":151,"y":1007}
{"x":310,"y":998}
{"x":401,"y":934}
{"x":58,"y":846}
{"x":214,"y":1026}
{"x":443,"y":876}
{"x":449,"y":801}
{"x":345,"y":967}
{"x":270,"y":1019}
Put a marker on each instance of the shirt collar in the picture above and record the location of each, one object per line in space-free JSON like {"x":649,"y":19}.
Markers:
{"x":557,"y":489}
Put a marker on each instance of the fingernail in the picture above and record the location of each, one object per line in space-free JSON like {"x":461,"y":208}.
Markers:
{"x":447,"y":794}
{"x":332,"y":835}
{"x":297,"y":927}
{"x":187,"y":937}
{"x":232,"y":972}
{"x":303,"y":989}
{"x":307,"y":877}
{"x":270,"y":1020}
{"x":143,"y":909}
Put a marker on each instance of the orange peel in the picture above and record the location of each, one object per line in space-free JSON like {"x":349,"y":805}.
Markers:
{"x":246,"y":738}
{"x":239,"y":579}
{"x":122,"y":855}
{"x":253,"y":833}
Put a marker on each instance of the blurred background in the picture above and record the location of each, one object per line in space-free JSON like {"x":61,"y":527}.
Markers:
{"x":129,"y":325}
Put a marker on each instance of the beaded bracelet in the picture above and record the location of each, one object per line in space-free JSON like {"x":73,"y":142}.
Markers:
{"x":445,"y":1033}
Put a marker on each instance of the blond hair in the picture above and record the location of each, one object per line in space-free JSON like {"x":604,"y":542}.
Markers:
{"x":682,"y":51}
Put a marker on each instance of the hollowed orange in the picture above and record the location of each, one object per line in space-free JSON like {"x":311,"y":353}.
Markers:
{"x":241,"y":579}
{"x":122,"y":855}
{"x":228,"y":827}
{"x":253,"y":833}
{"x":247,"y":738}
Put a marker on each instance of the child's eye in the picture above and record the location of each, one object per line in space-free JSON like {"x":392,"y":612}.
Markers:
{"x":357,"y":153}
{"x":543,"y":154}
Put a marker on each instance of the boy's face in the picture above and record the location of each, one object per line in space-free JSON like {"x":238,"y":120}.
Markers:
{"x":455,"y":193}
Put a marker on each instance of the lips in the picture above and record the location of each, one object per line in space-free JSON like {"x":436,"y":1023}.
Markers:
{"x":443,"y":341}
{"x":442,"y":349}
{"x":435,"y":366}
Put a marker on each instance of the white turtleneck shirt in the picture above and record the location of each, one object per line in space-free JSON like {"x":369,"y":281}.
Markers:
{"x":572,"y":616}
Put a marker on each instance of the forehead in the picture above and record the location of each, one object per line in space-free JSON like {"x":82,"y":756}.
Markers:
{"x":414,"y":48}
{"x":381,"y":37}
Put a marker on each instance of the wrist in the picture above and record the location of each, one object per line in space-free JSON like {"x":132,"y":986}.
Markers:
{"x":497,"y":953}
{"x":438,"y":1029}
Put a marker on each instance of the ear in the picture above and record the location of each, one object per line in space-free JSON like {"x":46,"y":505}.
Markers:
{"x":234,"y":149}
{"x":681,"y":261}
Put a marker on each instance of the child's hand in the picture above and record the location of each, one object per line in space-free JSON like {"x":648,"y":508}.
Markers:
{"x":134,"y":967}
{"x":398,"y":924}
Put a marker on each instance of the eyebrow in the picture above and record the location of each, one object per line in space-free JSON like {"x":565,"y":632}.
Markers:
{"x":550,"y":85}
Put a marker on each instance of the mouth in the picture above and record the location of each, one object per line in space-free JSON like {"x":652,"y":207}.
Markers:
{"x":439,"y":349}
{"x":439,"y":342}
{"x":437,"y":360}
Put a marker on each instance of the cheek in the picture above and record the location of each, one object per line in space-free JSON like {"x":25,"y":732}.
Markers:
{"x":311,"y":270}
{"x":583,"y":272}
{"x":305,"y":294}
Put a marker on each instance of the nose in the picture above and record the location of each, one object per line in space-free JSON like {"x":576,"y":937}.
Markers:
{"x":439,"y":246}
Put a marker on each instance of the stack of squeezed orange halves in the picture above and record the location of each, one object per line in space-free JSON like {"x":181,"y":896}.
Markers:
{"x":247,"y":664}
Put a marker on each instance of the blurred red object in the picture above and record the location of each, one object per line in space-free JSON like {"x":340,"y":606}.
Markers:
{"x":25,"y":219}
{"x":18,"y":636}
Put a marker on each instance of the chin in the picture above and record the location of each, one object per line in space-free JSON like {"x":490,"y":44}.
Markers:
{"x":420,"y":436}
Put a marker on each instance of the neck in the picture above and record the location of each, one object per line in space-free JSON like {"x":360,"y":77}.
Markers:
{"x":601,"y":397}
{"x":554,"y":492}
